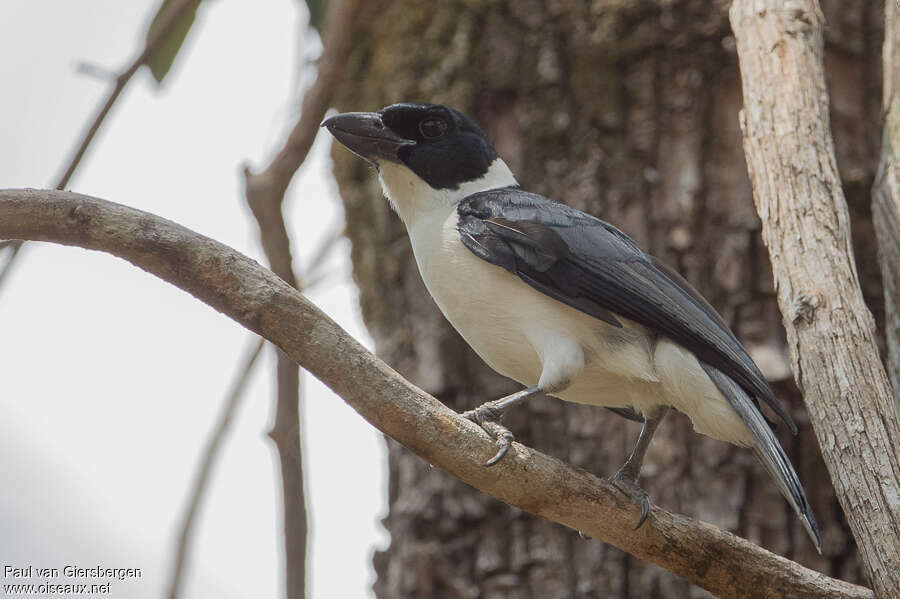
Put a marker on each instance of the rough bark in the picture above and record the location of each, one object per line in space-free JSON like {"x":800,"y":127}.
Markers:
{"x":627,"y":110}
{"x":806,"y":226}
{"x":886,"y":193}
{"x":259,"y":300}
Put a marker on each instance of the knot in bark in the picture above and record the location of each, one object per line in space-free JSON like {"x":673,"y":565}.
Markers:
{"x":805,"y":306}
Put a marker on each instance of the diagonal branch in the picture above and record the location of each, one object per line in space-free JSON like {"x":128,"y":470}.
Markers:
{"x":205,"y":467}
{"x":166,"y":26}
{"x":265,"y":190}
{"x":806,"y":226}
{"x":716,"y":560}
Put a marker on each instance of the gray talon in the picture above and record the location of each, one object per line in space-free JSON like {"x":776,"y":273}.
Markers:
{"x":504,"y":440}
{"x":628,"y":485}
{"x":488,"y":415}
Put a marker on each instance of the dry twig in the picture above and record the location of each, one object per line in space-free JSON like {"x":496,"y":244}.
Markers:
{"x":214,"y":445}
{"x":179,"y":9}
{"x":265,"y":195}
{"x":204,"y":468}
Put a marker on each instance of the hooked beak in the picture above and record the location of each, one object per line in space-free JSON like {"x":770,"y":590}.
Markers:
{"x":365,"y":134}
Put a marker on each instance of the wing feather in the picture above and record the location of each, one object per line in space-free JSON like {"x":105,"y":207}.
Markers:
{"x":592,"y":266}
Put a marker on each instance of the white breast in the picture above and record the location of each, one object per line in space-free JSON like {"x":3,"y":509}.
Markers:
{"x":517,"y":330}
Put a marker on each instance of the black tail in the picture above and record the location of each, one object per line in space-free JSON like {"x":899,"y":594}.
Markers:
{"x":768,"y":450}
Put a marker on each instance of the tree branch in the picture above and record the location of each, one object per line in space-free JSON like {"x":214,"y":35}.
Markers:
{"x":230,"y":282}
{"x":205,"y":467}
{"x":265,"y":190}
{"x":214,"y":445}
{"x":886,"y":194}
{"x":806,"y":226}
{"x":265,"y":195}
{"x":166,"y":25}
{"x":151,"y":45}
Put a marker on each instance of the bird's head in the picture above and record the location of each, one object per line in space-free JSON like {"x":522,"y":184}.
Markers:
{"x":427,"y":155}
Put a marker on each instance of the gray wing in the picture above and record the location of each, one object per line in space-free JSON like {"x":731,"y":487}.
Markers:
{"x":590,"y":265}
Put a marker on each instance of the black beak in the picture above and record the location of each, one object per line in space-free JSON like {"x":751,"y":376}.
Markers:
{"x":365,"y":134}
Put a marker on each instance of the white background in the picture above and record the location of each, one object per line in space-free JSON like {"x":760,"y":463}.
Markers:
{"x":110,"y":379}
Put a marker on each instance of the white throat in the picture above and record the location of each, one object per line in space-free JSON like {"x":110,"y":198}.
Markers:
{"x":412,"y":198}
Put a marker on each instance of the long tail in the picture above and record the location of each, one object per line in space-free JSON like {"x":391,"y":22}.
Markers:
{"x":768,"y":450}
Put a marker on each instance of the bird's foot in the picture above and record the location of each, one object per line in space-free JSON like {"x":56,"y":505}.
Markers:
{"x":626,"y":481}
{"x":487,"y":416}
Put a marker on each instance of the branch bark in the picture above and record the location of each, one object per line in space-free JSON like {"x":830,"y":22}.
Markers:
{"x":886,"y":194}
{"x":798,"y":194}
{"x":230,"y":282}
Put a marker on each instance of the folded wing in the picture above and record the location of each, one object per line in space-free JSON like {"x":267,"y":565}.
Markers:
{"x":590,"y":265}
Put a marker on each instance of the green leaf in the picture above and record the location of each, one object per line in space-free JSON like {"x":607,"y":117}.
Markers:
{"x":316,"y":13}
{"x":161,"y":60}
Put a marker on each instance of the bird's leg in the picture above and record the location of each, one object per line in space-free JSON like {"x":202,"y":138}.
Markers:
{"x":625,"y":479}
{"x":488,"y":416}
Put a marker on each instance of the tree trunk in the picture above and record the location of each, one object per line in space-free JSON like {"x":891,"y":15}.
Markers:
{"x":886,"y":193}
{"x":806,"y":226}
{"x":627,"y":110}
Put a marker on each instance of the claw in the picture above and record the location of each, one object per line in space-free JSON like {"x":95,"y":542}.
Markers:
{"x":505,"y":442}
{"x":645,"y":511}
{"x":487,"y":417}
{"x":628,"y":486}
{"x":627,"y":476}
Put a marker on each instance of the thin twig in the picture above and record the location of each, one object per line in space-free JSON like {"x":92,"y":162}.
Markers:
{"x":265,"y":190}
{"x":167,"y":24}
{"x":722,"y":563}
{"x":265,"y":193}
{"x":152,"y":44}
{"x":340,"y":26}
{"x":313,"y":274}
{"x":214,"y":445}
{"x":204,"y":468}
{"x":13,"y":247}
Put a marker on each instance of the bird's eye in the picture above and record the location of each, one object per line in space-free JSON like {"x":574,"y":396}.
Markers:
{"x":432,"y":128}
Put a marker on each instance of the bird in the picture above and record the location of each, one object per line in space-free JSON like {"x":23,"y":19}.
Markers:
{"x":561,"y":301}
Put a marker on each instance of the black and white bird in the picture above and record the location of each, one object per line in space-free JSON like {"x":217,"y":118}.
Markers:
{"x":561,"y":301}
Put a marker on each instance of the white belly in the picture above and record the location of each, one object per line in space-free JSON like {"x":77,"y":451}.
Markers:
{"x":534,"y":339}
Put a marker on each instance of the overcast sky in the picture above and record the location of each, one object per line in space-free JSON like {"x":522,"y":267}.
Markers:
{"x":110,"y":379}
